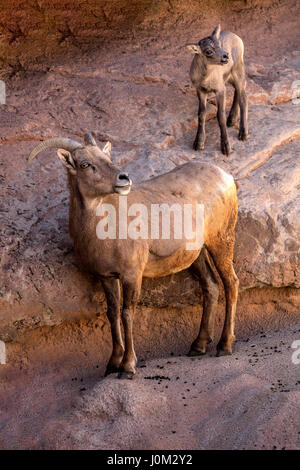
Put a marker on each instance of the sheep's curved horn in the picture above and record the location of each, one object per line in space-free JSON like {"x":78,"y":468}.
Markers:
{"x":89,"y":139}
{"x":56,"y":142}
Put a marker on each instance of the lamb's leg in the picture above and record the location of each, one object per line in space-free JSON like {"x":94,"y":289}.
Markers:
{"x":221,"y":100}
{"x":203,"y":270}
{"x":234,"y":111}
{"x":243,"y":132}
{"x":200,"y":136}
{"x":112,"y":291}
{"x":131,"y":292}
{"x":240,"y":86}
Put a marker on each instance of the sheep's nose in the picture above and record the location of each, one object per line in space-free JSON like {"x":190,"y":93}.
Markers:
{"x":225,"y":56}
{"x":123,"y":184}
{"x":122,"y":177}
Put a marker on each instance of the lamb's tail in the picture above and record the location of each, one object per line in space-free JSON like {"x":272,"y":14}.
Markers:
{"x":236,"y":185}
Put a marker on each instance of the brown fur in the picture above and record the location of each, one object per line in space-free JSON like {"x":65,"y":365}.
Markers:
{"x":219,"y":59}
{"x":123,"y":263}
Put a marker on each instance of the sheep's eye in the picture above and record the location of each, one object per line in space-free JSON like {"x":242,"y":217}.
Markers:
{"x":208,"y":52}
{"x":84,"y":165}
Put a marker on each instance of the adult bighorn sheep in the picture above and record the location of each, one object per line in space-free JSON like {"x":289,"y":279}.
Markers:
{"x":219,"y":59}
{"x":94,"y":182}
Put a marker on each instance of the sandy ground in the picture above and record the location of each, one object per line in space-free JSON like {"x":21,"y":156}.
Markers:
{"x":250,"y":400}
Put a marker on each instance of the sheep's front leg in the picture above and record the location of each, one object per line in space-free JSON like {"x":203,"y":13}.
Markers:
{"x":112,"y":291}
{"x":200,"y":136}
{"x":225,"y":145}
{"x":131,"y":293}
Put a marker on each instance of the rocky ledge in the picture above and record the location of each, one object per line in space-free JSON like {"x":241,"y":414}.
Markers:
{"x":41,"y":283}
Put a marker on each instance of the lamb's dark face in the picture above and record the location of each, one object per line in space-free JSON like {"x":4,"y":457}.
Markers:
{"x":94,"y":173}
{"x":210,"y":49}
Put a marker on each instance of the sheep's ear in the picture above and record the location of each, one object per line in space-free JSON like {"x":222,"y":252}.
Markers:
{"x":216,"y":32}
{"x":67,"y":160}
{"x":194,"y":48}
{"x":107,"y":148}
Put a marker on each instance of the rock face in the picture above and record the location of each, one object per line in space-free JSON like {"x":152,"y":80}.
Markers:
{"x":36,"y":32}
{"x":119,"y":69}
{"x":136,"y":93}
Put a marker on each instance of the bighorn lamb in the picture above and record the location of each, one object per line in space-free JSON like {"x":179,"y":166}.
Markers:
{"x":219,"y":59}
{"x":95,"y":181}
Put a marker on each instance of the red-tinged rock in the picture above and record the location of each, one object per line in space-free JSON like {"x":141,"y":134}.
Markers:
{"x":287,"y":88}
{"x":256,"y":94}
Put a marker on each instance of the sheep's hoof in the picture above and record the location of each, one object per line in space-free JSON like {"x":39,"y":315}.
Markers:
{"x":111,"y":370}
{"x":224,"y":352}
{"x":230,"y":122}
{"x":225,"y":148}
{"x":243,"y":135}
{"x":126,"y":375}
{"x":198,"y":146}
{"x":196,"y":352}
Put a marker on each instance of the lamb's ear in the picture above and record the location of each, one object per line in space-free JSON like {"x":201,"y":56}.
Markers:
{"x":107,"y":148}
{"x":67,"y":160}
{"x":216,"y":32}
{"x":195,"y":48}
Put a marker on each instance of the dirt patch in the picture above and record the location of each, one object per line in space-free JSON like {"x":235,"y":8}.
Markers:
{"x":246,"y":401}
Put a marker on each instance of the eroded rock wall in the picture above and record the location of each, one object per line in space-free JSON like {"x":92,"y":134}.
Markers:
{"x":119,"y":69}
{"x":36,"y":31}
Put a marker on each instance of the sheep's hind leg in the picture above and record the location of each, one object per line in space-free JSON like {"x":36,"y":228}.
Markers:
{"x":131,"y":292}
{"x":203,"y":270}
{"x":239,"y":83}
{"x":234,"y":111}
{"x":243,"y":132}
{"x":231,"y":284}
{"x":112,"y":291}
{"x":223,"y":260}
